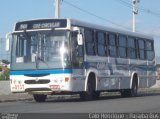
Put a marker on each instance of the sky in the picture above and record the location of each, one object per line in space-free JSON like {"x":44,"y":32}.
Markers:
{"x":102,"y":12}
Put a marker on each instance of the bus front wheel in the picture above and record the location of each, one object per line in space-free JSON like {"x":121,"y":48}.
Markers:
{"x":90,"y":92}
{"x":39,"y":98}
{"x":88,"y":95}
{"x":134,"y":90}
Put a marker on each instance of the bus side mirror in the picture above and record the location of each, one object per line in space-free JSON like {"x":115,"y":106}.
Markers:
{"x":80,"y":39}
{"x":8,"y":39}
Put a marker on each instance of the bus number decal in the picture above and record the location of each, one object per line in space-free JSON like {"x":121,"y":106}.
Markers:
{"x":19,"y":87}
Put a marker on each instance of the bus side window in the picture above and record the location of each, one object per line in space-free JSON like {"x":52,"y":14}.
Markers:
{"x":77,"y":51}
{"x":122,"y":46}
{"x":132,"y":49}
{"x":112,"y":45}
{"x":89,"y":42}
{"x":107,"y":44}
{"x":141,"y":49}
{"x":150,"y":50}
{"x":100,"y":36}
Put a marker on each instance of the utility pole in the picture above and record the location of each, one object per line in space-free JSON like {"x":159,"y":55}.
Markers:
{"x":57,"y":8}
{"x":134,"y":13}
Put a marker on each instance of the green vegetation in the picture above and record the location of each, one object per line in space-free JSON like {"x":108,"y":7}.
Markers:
{"x":4,"y":73}
{"x":158,"y":66}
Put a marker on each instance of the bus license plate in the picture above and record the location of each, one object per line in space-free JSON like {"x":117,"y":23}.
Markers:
{"x":54,"y":86}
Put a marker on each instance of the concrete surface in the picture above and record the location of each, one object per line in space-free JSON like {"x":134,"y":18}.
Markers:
{"x":157,"y":85}
{"x":5,"y":88}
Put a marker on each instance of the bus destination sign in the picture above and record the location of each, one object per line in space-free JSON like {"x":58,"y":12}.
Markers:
{"x":41,"y":24}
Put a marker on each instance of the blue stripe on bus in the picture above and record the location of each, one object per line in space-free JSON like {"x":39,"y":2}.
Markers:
{"x":51,"y":71}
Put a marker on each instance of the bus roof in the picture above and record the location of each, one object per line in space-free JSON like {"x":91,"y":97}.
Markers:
{"x":75,"y":22}
{"x":110,"y":29}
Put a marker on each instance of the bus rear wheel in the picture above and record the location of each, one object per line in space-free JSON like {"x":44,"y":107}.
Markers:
{"x":130,"y":92}
{"x":39,"y":98}
{"x":134,"y":90}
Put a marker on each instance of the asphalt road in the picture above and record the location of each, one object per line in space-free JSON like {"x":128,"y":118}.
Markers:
{"x":149,"y":102}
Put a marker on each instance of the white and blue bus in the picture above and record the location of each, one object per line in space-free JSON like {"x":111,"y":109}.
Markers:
{"x":67,"y":56}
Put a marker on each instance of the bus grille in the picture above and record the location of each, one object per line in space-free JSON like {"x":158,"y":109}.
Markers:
{"x":41,"y":81}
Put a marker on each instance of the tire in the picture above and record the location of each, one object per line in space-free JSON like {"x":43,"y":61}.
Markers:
{"x":134,"y":90}
{"x":40,"y":98}
{"x":96,"y":95}
{"x":130,"y":92}
{"x":88,"y":95}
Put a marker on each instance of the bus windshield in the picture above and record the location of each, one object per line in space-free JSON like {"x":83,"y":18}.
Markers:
{"x":40,"y":50}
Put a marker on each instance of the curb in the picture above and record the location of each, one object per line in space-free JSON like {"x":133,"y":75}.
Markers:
{"x":15,"y":100}
{"x":15,"y":97}
{"x":151,"y":90}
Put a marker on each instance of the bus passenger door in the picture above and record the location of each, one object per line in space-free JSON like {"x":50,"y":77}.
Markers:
{"x":77,"y":51}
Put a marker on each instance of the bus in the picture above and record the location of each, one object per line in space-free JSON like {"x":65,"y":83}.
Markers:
{"x":68,"y":56}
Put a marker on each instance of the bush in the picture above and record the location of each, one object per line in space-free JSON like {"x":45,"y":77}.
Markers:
{"x":4,"y":75}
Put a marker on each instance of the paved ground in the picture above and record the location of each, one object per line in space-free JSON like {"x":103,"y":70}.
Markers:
{"x":7,"y":96}
{"x":106,"y":104}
